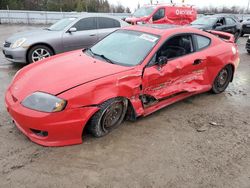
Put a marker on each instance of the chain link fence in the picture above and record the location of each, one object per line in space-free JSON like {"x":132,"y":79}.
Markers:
{"x":41,"y":17}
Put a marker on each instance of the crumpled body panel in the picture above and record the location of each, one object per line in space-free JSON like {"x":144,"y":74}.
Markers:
{"x":147,"y":87}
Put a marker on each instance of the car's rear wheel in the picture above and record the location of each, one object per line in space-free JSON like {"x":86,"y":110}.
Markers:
{"x":110,"y":116}
{"x":222,"y":80}
{"x":39,"y":52}
{"x":242,"y":34}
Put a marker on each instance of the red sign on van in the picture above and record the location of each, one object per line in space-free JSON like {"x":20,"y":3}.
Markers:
{"x":163,"y":14}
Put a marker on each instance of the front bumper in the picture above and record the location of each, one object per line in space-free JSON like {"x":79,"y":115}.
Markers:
{"x":17,"y":55}
{"x":246,"y":29}
{"x":62,"y":128}
{"x":248,"y":45}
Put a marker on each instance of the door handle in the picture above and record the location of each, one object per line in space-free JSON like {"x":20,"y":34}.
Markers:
{"x":198,"y":61}
{"x":92,"y":35}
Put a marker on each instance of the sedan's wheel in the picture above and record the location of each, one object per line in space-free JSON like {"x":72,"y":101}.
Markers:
{"x":222,"y":80}
{"x":38,"y":53}
{"x":110,"y":115}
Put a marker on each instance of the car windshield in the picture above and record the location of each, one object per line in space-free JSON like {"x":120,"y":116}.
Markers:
{"x":124,"y":47}
{"x":61,"y":25}
{"x":144,"y":11}
{"x":204,"y":21}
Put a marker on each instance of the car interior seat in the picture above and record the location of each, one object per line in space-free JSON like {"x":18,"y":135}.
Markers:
{"x":175,"y":47}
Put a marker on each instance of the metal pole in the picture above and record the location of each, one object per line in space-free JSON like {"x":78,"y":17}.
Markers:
{"x":248,"y":6}
{"x":8,"y":13}
{"x":28,"y":18}
{"x":86,"y":6}
{"x":46,"y":18}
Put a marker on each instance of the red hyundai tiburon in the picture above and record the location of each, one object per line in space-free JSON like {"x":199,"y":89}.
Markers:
{"x":132,"y":72}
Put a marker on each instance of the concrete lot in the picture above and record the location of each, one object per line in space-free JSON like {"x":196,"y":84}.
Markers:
{"x":203,"y":141}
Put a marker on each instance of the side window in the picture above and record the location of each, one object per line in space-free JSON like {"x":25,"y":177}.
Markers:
{"x":104,"y":23}
{"x":159,"y":14}
{"x":202,"y":42}
{"x":220,"y":21}
{"x":86,"y":24}
{"x":176,"y":47}
{"x":230,"y":21}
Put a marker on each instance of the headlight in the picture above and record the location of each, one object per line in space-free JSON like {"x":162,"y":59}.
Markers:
{"x":44,"y":102}
{"x":18,"y":43}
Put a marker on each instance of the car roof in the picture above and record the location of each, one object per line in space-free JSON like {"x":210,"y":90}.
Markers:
{"x":161,"y":26}
{"x":86,"y":15}
{"x":162,"y":29}
{"x":223,"y":15}
{"x":167,"y":5}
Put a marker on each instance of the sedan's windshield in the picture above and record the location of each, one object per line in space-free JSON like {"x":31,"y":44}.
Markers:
{"x":61,"y":25}
{"x":128,"y":48}
{"x":144,"y":11}
{"x":204,"y":21}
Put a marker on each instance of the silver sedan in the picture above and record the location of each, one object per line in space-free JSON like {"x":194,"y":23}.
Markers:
{"x":65,"y":35}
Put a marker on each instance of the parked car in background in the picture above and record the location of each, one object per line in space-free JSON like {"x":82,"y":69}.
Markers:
{"x":65,"y":35}
{"x":163,"y":14}
{"x":131,"y":73}
{"x":219,"y":22}
{"x":234,"y":16}
{"x":248,"y":45}
{"x":245,"y":27}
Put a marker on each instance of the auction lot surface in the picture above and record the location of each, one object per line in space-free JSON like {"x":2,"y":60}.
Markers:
{"x":203,"y":141}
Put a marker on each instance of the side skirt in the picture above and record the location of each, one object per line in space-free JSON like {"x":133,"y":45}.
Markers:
{"x":168,"y":101}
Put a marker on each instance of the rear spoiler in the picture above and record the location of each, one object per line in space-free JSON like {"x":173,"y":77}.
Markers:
{"x":224,"y":36}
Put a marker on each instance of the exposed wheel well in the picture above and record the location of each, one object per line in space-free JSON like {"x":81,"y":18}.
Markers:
{"x":44,"y":44}
{"x":233,"y":69}
{"x":130,"y":114}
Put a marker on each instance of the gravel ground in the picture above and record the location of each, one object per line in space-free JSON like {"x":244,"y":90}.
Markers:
{"x":203,"y":141}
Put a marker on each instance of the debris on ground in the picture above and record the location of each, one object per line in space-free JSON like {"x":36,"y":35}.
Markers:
{"x":216,"y":124}
{"x":16,"y":167}
{"x":202,"y":129}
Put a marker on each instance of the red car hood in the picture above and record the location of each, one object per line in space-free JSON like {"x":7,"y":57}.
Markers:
{"x":59,"y":73}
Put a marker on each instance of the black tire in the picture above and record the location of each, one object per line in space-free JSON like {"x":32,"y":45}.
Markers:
{"x":222,"y":80}
{"x":248,"y":51}
{"x":47,"y":49}
{"x":110,"y":116}
{"x":242,"y":34}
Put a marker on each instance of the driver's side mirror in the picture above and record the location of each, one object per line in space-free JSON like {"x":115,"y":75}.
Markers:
{"x":162,"y":60}
{"x":72,"y":30}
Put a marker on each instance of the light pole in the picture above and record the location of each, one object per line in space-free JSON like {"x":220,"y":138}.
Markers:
{"x":248,"y":6}
{"x":87,"y":6}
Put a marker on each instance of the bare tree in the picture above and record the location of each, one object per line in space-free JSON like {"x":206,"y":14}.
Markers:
{"x":224,"y":9}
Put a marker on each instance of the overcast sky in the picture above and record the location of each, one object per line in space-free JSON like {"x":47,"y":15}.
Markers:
{"x":132,"y":4}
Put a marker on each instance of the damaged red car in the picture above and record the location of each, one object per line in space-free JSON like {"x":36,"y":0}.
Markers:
{"x":132,"y":72}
